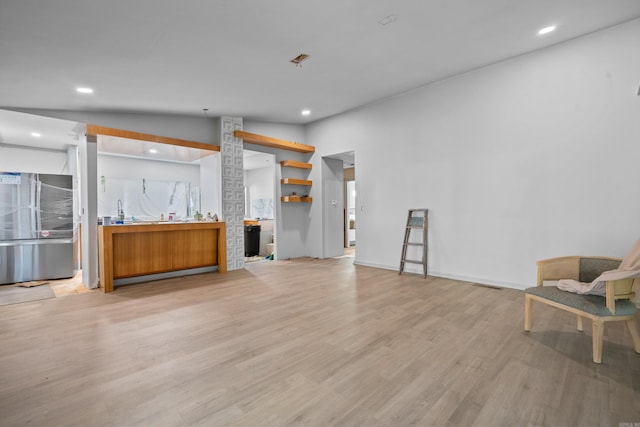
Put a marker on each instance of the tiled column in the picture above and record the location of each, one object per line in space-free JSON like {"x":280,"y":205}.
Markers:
{"x":232,"y":190}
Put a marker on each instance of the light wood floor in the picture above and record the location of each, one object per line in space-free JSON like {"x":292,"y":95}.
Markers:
{"x":308,"y":342}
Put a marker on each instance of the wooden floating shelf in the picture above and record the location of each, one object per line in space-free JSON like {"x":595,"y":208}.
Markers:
{"x":95,"y":130}
{"x":267,"y":141}
{"x":295,"y":181}
{"x":294,"y":164}
{"x":296,"y":199}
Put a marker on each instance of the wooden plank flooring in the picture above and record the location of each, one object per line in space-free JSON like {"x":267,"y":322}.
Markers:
{"x":308,"y":342}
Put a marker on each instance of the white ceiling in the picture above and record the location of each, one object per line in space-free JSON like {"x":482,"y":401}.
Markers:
{"x":17,"y":129}
{"x":232,"y":56}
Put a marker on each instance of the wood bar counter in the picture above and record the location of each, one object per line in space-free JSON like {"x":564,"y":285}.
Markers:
{"x":132,"y":250}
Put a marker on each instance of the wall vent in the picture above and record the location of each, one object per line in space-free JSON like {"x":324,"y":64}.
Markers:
{"x":298,"y":59}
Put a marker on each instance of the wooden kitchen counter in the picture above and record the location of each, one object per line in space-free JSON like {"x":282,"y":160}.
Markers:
{"x":133,"y":250}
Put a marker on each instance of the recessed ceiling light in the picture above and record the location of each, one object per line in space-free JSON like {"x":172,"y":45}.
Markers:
{"x":546,"y":30}
{"x":84,"y":90}
{"x":36,"y":134}
{"x":305,"y":112}
{"x":153,"y":151}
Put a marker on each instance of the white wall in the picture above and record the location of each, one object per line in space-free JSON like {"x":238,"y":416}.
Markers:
{"x":526,"y":159}
{"x":288,"y":132}
{"x":127,"y":167}
{"x":14,"y":159}
{"x":332,"y":203}
{"x":118,"y":171}
{"x":260,"y":183}
{"x":88,"y":159}
{"x":211,"y":184}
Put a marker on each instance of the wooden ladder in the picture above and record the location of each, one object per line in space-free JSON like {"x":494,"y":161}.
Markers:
{"x":416,"y":220}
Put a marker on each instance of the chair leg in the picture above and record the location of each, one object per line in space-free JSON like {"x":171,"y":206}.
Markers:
{"x":598,"y":332}
{"x":633,"y":330}
{"x":580,"y":323}
{"x":527,"y":313}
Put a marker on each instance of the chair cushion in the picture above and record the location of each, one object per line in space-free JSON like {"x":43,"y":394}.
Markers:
{"x":592,"y":304}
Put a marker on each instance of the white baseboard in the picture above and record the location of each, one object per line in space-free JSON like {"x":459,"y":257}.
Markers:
{"x":369,"y":264}
{"x":471,"y":279}
{"x":481,"y":281}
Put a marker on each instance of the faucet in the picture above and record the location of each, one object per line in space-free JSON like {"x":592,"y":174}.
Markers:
{"x":120,"y":211}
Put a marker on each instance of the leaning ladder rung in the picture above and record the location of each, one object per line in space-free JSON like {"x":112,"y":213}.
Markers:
{"x":418,"y":222}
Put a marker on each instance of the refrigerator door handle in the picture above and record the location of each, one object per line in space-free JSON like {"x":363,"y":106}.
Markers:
{"x":32,"y":202}
{"x":38,"y":211}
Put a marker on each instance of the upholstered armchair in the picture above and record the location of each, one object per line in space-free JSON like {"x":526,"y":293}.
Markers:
{"x":619,"y":304}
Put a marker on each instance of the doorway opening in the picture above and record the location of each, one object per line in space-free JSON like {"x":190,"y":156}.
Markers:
{"x":350,"y":210}
{"x":259,"y":206}
{"x":343,"y":231}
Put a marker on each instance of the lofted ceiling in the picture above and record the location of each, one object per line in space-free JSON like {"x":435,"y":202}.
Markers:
{"x":233,"y":56}
{"x":124,"y":147}
{"x":30,"y":130}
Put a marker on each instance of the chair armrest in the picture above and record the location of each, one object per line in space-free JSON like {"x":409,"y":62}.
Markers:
{"x":620,"y":289}
{"x":567,"y":267}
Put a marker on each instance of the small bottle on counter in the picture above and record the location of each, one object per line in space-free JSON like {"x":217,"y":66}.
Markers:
{"x":161,"y":217}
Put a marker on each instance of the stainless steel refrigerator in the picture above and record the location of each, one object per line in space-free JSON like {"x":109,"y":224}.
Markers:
{"x":36,"y":227}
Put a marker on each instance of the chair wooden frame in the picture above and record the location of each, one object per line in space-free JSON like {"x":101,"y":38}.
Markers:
{"x":569,"y":268}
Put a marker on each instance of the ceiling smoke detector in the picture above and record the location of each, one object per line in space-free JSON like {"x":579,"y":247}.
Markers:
{"x":388,"y":20}
{"x":298,"y":59}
